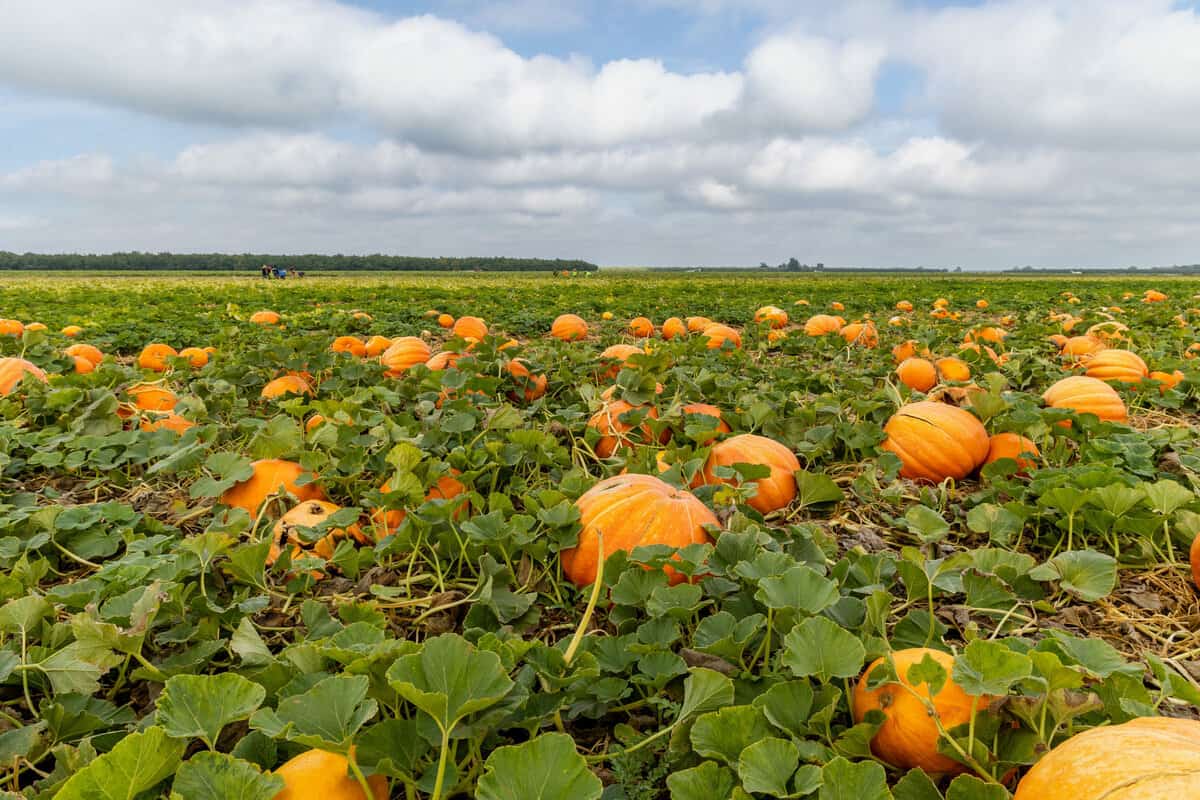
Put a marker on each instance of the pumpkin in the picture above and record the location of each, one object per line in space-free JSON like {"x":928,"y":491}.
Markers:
{"x":152,"y":397}
{"x":953,"y":369}
{"x":1059,"y":340}
{"x":606,"y":316}
{"x":285,"y":385}
{"x":773,"y":315}
{"x":470,"y":328}
{"x":35,"y":326}
{"x":1080,"y":348}
{"x":196,"y":357}
{"x":918,"y":374}
{"x":777,"y":490}
{"x":569,"y":328}
{"x":836,"y":306}
{"x":936,"y":441}
{"x":774,"y":336}
{"x":529,"y":386}
{"x":82,"y":366}
{"x":71,"y":331}
{"x":908,"y":349}
{"x":1014,"y":446}
{"x":822,"y":324}
{"x":309,"y":514}
{"x":1085,"y":395}
{"x":321,"y":775}
{"x":1195,"y":559}
{"x":154,"y":357}
{"x":987,"y":333}
{"x":169,"y":421}
{"x":718,"y":335}
{"x":349,"y":344}
{"x":633,"y":511}
{"x":1108,"y":332}
{"x":362,"y":315}
{"x":904,"y":305}
{"x":446,"y":487}
{"x":697,"y":324}
{"x":704,"y":409}
{"x":1117,"y":365}
{"x":443,"y":360}
{"x":941,"y":302}
{"x":673,"y":328}
{"x":862,"y":334}
{"x":801,"y":302}
{"x":641,"y":327}
{"x":81,"y":350}
{"x":1149,"y":758}
{"x":614,"y":433}
{"x":264,"y":318}
{"x":402,"y":354}
{"x":616,"y":356}
{"x":445,"y":321}
{"x":1153,"y":296}
{"x":981,"y":304}
{"x":431,"y":313}
{"x":13,"y":369}
{"x":11,"y":327}
{"x":908,"y":738}
{"x":270,"y":476}
{"x":376,"y":345}
{"x":1168,"y":380}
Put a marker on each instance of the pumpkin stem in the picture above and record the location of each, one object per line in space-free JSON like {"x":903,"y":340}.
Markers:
{"x":577,"y":639}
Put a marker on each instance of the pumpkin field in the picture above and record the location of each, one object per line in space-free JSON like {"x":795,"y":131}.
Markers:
{"x":624,"y":535}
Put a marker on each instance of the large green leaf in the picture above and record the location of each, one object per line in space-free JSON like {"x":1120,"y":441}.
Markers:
{"x":201,"y":705}
{"x":138,"y":763}
{"x":709,"y":781}
{"x":327,"y":715}
{"x":545,"y":768}
{"x":821,"y":648}
{"x":449,"y":679}
{"x":863,"y":780}
{"x":767,"y":765}
{"x":217,"y":776}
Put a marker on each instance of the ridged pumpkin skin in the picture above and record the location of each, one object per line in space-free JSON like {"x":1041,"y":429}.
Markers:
{"x":673,"y":328}
{"x":88,"y":351}
{"x":154,"y":357}
{"x":936,"y":441}
{"x":376,"y":345}
{"x":1012,"y":445}
{"x":321,"y":775}
{"x":616,"y":355}
{"x":774,"y":492}
{"x":403,"y":354}
{"x":952,"y":368}
{"x":152,"y":397}
{"x":569,"y":328}
{"x":269,"y":476}
{"x":13,"y":369}
{"x":718,"y":335}
{"x":1117,"y":365}
{"x":1085,"y":395}
{"x":641,"y":327}
{"x":197,"y":358}
{"x":1150,"y":758}
{"x":822,"y":324}
{"x":349,"y":344}
{"x":633,"y":511}
{"x":697,"y":324}
{"x":909,"y":737}
{"x":443,"y":360}
{"x":862,"y":334}
{"x":264,"y":318}
{"x":918,"y":374}
{"x":774,"y":315}
{"x":470,"y":328}
{"x":285,"y":385}
{"x":1079,"y":349}
{"x":614,"y":433}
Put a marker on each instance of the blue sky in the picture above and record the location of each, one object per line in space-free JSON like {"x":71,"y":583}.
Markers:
{"x":864,"y":132}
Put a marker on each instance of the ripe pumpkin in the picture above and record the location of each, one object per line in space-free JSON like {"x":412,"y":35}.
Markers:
{"x":1058,"y":340}
{"x":616,"y":356}
{"x":13,"y":369}
{"x":265,"y":318}
{"x":309,"y":514}
{"x":1085,"y":395}
{"x":1153,"y":296}
{"x":1078,"y":349}
{"x":1195,"y":559}
{"x":82,"y":366}
{"x":470,"y":328}
{"x":918,"y":374}
{"x":862,"y":334}
{"x":349,"y":344}
{"x":936,"y":441}
{"x":90,"y":352}
{"x":987,"y":333}
{"x":952,"y":368}
{"x":529,"y":386}
{"x":641,"y":327}
{"x":836,"y":306}
{"x":1117,"y":365}
{"x":981,"y":304}
{"x":169,"y":421}
{"x":606,"y":316}
{"x":154,"y":357}
{"x":774,"y":336}
{"x":402,"y":354}
{"x":633,"y":511}
{"x":152,"y":397}
{"x":11,"y":327}
{"x":708,"y":411}
{"x":569,"y":328}
{"x":697,"y":324}
{"x":446,"y":487}
{"x":1149,"y":758}
{"x":909,"y":737}
{"x":270,"y":475}
{"x":908,"y":349}
{"x":196,"y":357}
{"x":904,"y":305}
{"x":71,"y":331}
{"x":285,"y":385}
{"x":35,"y":326}
{"x":443,"y":360}
{"x":822,"y":324}
{"x":376,"y":345}
{"x":777,"y":490}
{"x":1109,"y":332}
{"x":1169,"y":380}
{"x":445,"y":321}
{"x":615,"y":433}
{"x":941,"y":302}
{"x":718,"y":335}
{"x":1012,"y":445}
{"x":673,"y":328}
{"x":321,"y":775}
{"x":773,"y":315}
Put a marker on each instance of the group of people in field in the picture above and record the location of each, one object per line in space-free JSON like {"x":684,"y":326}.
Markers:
{"x":269,"y":271}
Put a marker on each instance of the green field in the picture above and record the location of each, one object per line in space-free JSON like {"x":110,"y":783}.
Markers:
{"x":157,"y":641}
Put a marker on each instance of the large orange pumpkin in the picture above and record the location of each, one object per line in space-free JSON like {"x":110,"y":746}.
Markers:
{"x":529,"y":386}
{"x":309,"y":514}
{"x":446,"y":487}
{"x":264,"y":318}
{"x":71,"y":331}
{"x":862,"y":334}
{"x":285,"y":385}
{"x":169,"y":421}
{"x":470,"y":328}
{"x":821,"y":324}
{"x":1153,"y":296}
{"x":349,"y":344}
{"x":1169,"y":380}
{"x":918,"y":374}
{"x":90,"y":352}
{"x":376,"y":345}
{"x":777,"y":490}
{"x":197,"y":357}
{"x":904,"y":305}
{"x":909,"y":737}
{"x":1085,"y":395}
{"x":1014,"y":446}
{"x":270,"y":476}
{"x":13,"y":369}
{"x":1149,"y":758}
{"x":718,"y":335}
{"x":633,"y":511}
{"x":987,"y":333}
{"x":773,"y":315}
{"x":614,"y":433}
{"x":154,"y":357}
{"x":152,"y":397}
{"x":569,"y":328}
{"x":82,"y":365}
{"x":321,"y":775}
{"x":1078,"y":349}
{"x":908,"y":349}
{"x":616,"y":356}
{"x":641,"y":327}
{"x":936,"y":441}
{"x":1117,"y":365}
{"x":11,"y":327}
{"x":673,"y":328}
{"x":706,"y":410}
{"x":952,"y":368}
{"x":697,"y":324}
{"x":402,"y":354}
{"x":443,"y":360}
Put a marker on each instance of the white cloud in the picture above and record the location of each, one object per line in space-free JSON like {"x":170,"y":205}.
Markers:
{"x":77,"y":174}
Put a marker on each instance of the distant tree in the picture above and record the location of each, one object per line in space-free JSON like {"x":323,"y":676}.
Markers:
{"x":793,"y":265}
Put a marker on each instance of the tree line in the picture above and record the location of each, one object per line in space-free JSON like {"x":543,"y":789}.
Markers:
{"x":213,"y":262}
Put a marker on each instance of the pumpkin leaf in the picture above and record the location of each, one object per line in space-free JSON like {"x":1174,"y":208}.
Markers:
{"x":820,"y":648}
{"x":137,"y":764}
{"x":545,"y":768}
{"x":201,"y":705}
{"x":218,"y":776}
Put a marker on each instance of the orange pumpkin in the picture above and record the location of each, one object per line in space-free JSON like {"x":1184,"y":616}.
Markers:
{"x":529,"y":386}
{"x":321,"y":775}
{"x":90,"y":352}
{"x":404,"y":353}
{"x":918,"y":374}
{"x":1153,"y":296}
{"x":775,"y":491}
{"x":154,"y":357}
{"x":264,"y":318}
{"x":936,"y":441}
{"x":470,"y":328}
{"x":1149,"y":758}
{"x":941,"y":302}
{"x":13,"y":369}
{"x":987,"y":333}
{"x":285,"y":385}
{"x":641,"y":327}
{"x":908,"y":739}
{"x":446,"y":487}
{"x":718,"y":335}
{"x":836,"y":306}
{"x":445,"y":321}
{"x":908,"y":349}
{"x":1117,"y":365}
{"x":1195,"y":559}
{"x":862,"y":334}
{"x":196,"y":357}
{"x":616,"y":356}
{"x":1014,"y":446}
{"x":309,"y":514}
{"x":270,"y":477}
{"x":981,"y":304}
{"x":774,"y":336}
{"x":708,"y":411}
{"x":11,"y":327}
{"x":169,"y":421}
{"x":697,"y":324}
{"x":71,"y":331}
{"x":773,"y":315}
{"x":349,"y":344}
{"x":1058,"y":340}
{"x":822,"y":324}
{"x":152,"y":397}
{"x":1079,"y":349}
{"x":953,"y":369}
{"x":673,"y":328}
{"x":443,"y":360}
{"x":1108,"y":332}
{"x":1169,"y":380}
{"x":569,"y":328}
{"x":35,"y":326}
{"x":904,"y":305}
{"x":82,"y":366}
{"x":633,"y":511}
{"x":615,"y":433}
{"x":1085,"y":395}
{"x":376,"y":345}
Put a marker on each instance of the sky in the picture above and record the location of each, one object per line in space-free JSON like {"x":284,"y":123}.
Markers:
{"x":985,"y":134}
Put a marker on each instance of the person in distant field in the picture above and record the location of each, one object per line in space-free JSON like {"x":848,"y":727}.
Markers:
{"x":265,"y":270}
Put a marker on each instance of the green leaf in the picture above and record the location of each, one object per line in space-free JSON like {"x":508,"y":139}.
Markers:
{"x":327,"y":715}
{"x":814,"y":488}
{"x":990,"y":668}
{"x":281,"y":436}
{"x":1084,"y":573}
{"x":24,"y":613}
{"x":968,"y":787}
{"x":1166,"y":496}
{"x":724,"y":734}
{"x":138,"y":763}
{"x":821,"y":648}
{"x":78,"y":667}
{"x":916,"y":785}
{"x":449,"y":679}
{"x":926,"y":523}
{"x":929,"y":672}
{"x":218,"y":776}
{"x":843,"y":780}
{"x":249,"y":646}
{"x":709,"y":781}
{"x":787,"y":706}
{"x":393,"y":747}
{"x":199,"y":706}
{"x":766,"y":765}
{"x":545,"y":768}
{"x":1000,"y":524}
{"x":801,"y":587}
{"x":704,"y":690}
